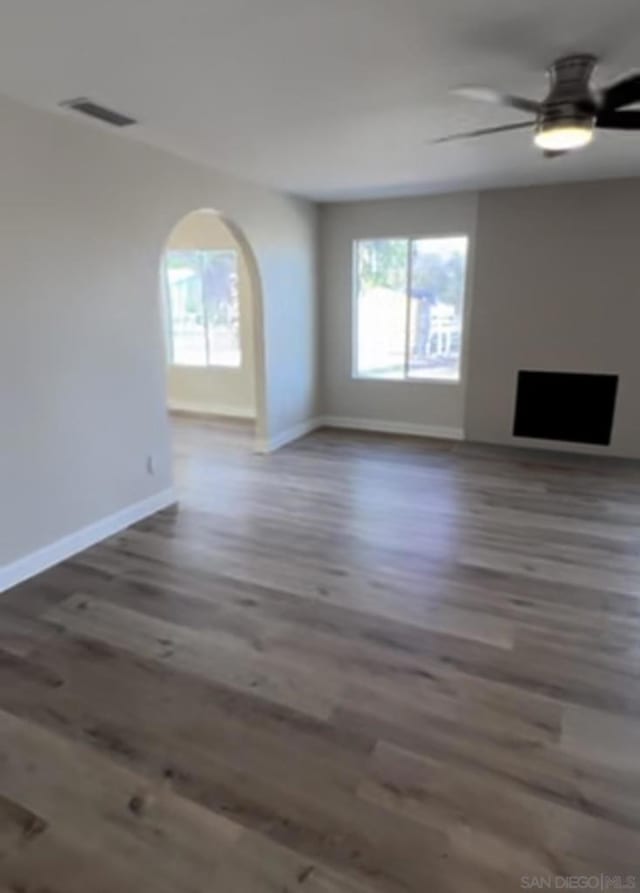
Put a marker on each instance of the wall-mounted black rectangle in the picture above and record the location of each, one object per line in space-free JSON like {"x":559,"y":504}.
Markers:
{"x":565,"y":406}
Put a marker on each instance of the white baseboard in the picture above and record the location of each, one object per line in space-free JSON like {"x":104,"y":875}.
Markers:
{"x":438,"y":432}
{"x":39,"y":561}
{"x":219,"y":410}
{"x":271,"y":444}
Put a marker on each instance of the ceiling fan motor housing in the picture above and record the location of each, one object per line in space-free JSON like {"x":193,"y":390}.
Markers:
{"x":571,"y":100}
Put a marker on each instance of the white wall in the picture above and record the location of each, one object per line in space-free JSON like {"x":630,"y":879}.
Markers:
{"x":557,"y":287}
{"x":216,"y":390}
{"x":403,"y":405}
{"x":84,"y":216}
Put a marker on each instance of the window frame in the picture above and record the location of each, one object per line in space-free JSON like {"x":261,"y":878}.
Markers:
{"x":406,"y":378}
{"x":169,"y":333}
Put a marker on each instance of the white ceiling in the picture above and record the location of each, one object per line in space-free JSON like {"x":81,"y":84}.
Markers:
{"x":325,"y":98}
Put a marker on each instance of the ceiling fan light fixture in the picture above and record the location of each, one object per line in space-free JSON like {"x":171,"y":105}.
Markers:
{"x":564,"y":135}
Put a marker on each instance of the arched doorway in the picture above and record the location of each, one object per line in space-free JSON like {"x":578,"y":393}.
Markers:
{"x":213,"y":320}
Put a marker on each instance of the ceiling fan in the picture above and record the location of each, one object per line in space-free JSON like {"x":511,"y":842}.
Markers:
{"x":573,"y":109}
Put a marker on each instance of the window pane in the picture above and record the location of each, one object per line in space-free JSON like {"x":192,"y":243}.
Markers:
{"x":186,"y":312}
{"x":204,"y":308}
{"x":381,"y":307}
{"x":222,"y":306}
{"x":438,"y":268}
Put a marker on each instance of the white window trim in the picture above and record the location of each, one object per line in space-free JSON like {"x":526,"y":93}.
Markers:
{"x":406,"y":379}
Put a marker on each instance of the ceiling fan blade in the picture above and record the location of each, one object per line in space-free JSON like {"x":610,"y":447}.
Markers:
{"x":485,"y":94}
{"x":550,"y":153}
{"x":486,"y":131}
{"x":623,"y":92}
{"x":618,"y":120}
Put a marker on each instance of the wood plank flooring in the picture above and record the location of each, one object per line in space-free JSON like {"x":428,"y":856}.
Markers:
{"x":360,"y":664}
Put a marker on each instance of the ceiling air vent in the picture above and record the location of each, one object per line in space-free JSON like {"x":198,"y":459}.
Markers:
{"x":93,"y":110}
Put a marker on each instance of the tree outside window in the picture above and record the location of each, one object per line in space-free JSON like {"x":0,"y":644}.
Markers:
{"x":409,"y":307}
{"x":204,"y":308}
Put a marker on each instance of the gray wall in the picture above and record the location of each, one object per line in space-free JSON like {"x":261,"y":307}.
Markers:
{"x":438,"y":406}
{"x":557,"y":287}
{"x":552,"y":286}
{"x":85,"y":215}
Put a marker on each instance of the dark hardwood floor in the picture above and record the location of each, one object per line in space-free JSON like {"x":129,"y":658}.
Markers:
{"x":359,"y":664}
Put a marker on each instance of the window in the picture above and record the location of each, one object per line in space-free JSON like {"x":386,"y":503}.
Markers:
{"x":409,"y":307}
{"x":204,"y":308}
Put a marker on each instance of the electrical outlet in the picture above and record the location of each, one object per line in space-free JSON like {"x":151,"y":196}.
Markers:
{"x":151,"y":469}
